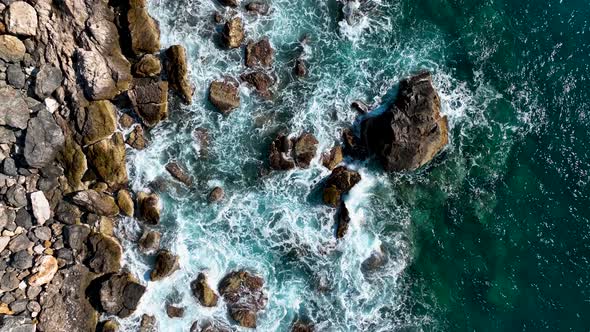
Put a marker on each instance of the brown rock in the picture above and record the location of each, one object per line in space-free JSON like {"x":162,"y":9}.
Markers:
{"x":179,"y":173}
{"x":305,"y":149}
{"x":166,"y":264}
{"x":148,"y":324}
{"x":203,"y":292}
{"x":300,"y":326}
{"x":233,"y":33}
{"x":229,"y":3}
{"x":339,"y":182}
{"x":120,"y":294}
{"x":261,"y":81}
{"x":174,"y":312}
{"x":343,"y":221}
{"x":96,"y":202}
{"x":177,"y":70}
{"x":11,"y":49}
{"x":257,"y":7}
{"x":243,"y":294}
{"x":149,"y":208}
{"x":300,"y":69}
{"x":280,"y":154}
{"x":136,"y":138}
{"x":45,"y":271}
{"x":125,"y":202}
{"x":150,"y":241}
{"x":105,"y":254}
{"x":143,"y":30}
{"x":103,"y":76}
{"x":126,"y":121}
{"x":148,"y":66}
{"x":332,"y":158}
{"x":352,"y":145}
{"x":150,"y":101}
{"x":259,"y":54}
{"x":107,"y":159}
{"x":224,"y":96}
{"x":216,"y":195}
{"x":96,"y":122}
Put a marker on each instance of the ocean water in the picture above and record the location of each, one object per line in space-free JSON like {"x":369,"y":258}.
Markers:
{"x":493,"y":235}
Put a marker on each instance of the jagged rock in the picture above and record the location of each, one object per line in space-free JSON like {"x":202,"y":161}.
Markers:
{"x":166,"y":264}
{"x":125,"y":202}
{"x":412,"y":131}
{"x":11,"y":49}
{"x":67,"y":213}
{"x":150,"y":101}
{"x":21,"y":19}
{"x":201,"y":137}
{"x":225,"y":96}
{"x":233,"y":33}
{"x":107,"y":159}
{"x":177,"y":70}
{"x":216,"y":195}
{"x":150,"y":241}
{"x":339,"y":182}
{"x":106,"y":254}
{"x":300,"y":69}
{"x":149,"y":208}
{"x":332,"y":158}
{"x":16,"y":196}
{"x":229,"y":3}
{"x":148,"y":66}
{"x":74,"y":162}
{"x":148,"y":324}
{"x":95,"y":202}
{"x":203,"y":292}
{"x":259,"y":54}
{"x":103,"y":78}
{"x":261,"y":81}
{"x":120,"y":294}
{"x":96,"y":122}
{"x":45,"y":271}
{"x":15,"y":76}
{"x":343,"y":221}
{"x":243,"y":294}
{"x":48,"y":79}
{"x":376,"y":260}
{"x":174,"y":312}
{"x":360,"y":107}
{"x":9,"y":281}
{"x":126,"y":121}
{"x":9,"y":167}
{"x":14,"y":111}
{"x":67,"y":308}
{"x":41,"y":208}
{"x":257,"y":7}
{"x":42,"y":233}
{"x":23,"y":219}
{"x":6,"y":135}
{"x":352,"y":145}
{"x":75,"y":236}
{"x":143,"y":30}
{"x":305,"y":149}
{"x":179,"y":173}
{"x":44,"y":139}
{"x":136,"y":138}
{"x":4,"y":242}
{"x":280,"y":154}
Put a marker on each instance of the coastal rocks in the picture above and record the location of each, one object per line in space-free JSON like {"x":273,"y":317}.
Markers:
{"x":412,"y":131}
{"x":107,"y":159}
{"x":174,"y":312}
{"x":14,"y":111}
{"x":48,"y":79}
{"x":120,"y":294}
{"x":203,"y":292}
{"x":280,"y":154}
{"x":15,"y":76}
{"x":46,"y":270}
{"x":225,"y":96}
{"x":300,"y":326}
{"x":136,"y":138}
{"x":16,"y":196}
{"x":233,"y":33}
{"x":41,"y":208}
{"x":11,"y":49}
{"x":305,"y":149}
{"x":19,"y":242}
{"x":148,"y":66}
{"x":259,"y":8}
{"x":338,"y":183}
{"x":150,"y":101}
{"x":376,"y":260}
{"x":166,"y":264}
{"x":287,"y":153}
{"x":242,"y":291}
{"x":96,"y":122}
{"x":343,"y":221}
{"x":332,"y":158}
{"x":148,"y":324}
{"x":143,"y":30}
{"x":96,"y":202}
{"x":177,"y":71}
{"x":44,"y":139}
{"x":106,"y":254}
{"x":125,"y":202}
{"x":103,"y":78}
{"x":300,"y":69}
{"x":179,"y":173}
{"x":21,"y":19}
{"x":261,"y":81}
{"x":216,"y":195}
{"x":259,"y":54}
{"x":75,"y":236}
{"x":150,"y":241}
{"x":74,"y":162}
{"x":149,"y":208}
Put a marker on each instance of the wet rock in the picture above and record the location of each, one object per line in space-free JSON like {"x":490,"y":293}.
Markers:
{"x":149,"y":208}
{"x":44,"y":139}
{"x":179,"y":173}
{"x":107,"y":159}
{"x":103,"y":78}
{"x":360,"y":107}
{"x":338,"y":183}
{"x":21,"y":260}
{"x":126,"y":121}
{"x":353,"y":146}
{"x":108,"y":326}
{"x":233,"y":33}
{"x":332,"y":158}
{"x":305,"y":149}
{"x":16,"y":196}
{"x":98,"y":203}
{"x":45,"y":271}
{"x":106,"y":254}
{"x":41,"y":208}
{"x":300,"y":69}
{"x":166,"y":264}
{"x":15,"y":76}
{"x":14,"y":111}
{"x":343,"y":221}
{"x":229,"y":3}
{"x":257,"y":7}
{"x":143,"y":30}
{"x":242,"y":291}
{"x":120,"y":294}
{"x":21,"y":19}
{"x":125,"y":203}
{"x":11,"y":49}
{"x":150,"y":101}
{"x":150,"y":241}
{"x":412,"y":131}
{"x":148,"y":66}
{"x":259,"y":54}
{"x":177,"y":70}
{"x":261,"y":81}
{"x":376,"y":260}
{"x":48,"y":79}
{"x":148,"y":324}
{"x":97,"y":121}
{"x":174,"y":312}
{"x":203,"y":292}
{"x":216,"y":195}
{"x":136,"y":138}
{"x":280,"y":154}
{"x":224,"y":96}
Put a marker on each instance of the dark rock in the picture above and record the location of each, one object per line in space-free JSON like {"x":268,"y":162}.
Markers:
{"x":108,"y":326}
{"x":300,"y":69}
{"x":9,"y":167}
{"x":257,"y":7}
{"x":216,"y":195}
{"x":339,"y":182}
{"x":203,"y":292}
{"x":19,"y":242}
{"x":67,"y":213}
{"x":179,"y":173}
{"x":243,"y":294}
{"x":261,"y":81}
{"x":19,"y":306}
{"x":96,"y":122}
{"x":233,"y":33}
{"x":33,"y":292}
{"x":177,"y":71}
{"x":108,"y":159}
{"x":150,"y":241}
{"x":21,"y":260}
{"x":360,"y":107}
{"x":16,"y":196}
{"x":229,"y":3}
{"x":44,"y":139}
{"x":343,"y":221}
{"x":43,"y":233}
{"x":120,"y":294}
{"x":174,"y":312}
{"x":166,"y":264}
{"x":259,"y":54}
{"x":149,"y":208}
{"x":147,"y":66}
{"x":353,"y":146}
{"x":48,"y":79}
{"x":376,"y":260}
{"x":136,"y":138}
{"x":106,"y":254}
{"x":75,"y":236}
{"x":14,"y":111}
{"x":412,"y":131}
{"x":98,"y":203}
{"x":224,"y":96}
{"x":150,"y":101}
{"x":15,"y":76}
{"x":332,"y":158}
{"x":305,"y":149}
{"x":280,"y":154}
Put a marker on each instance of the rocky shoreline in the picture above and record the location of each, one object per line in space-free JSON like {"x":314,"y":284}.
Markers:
{"x":82,"y":81}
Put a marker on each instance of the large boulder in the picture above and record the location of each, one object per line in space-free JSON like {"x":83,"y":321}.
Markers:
{"x":225,"y":96}
{"x":14,"y":111}
{"x":229,"y":3}
{"x":179,"y":173}
{"x":74,"y":162}
{"x":120,"y":294}
{"x":166,"y":264}
{"x":233,"y":33}
{"x":45,"y":271}
{"x":21,"y":19}
{"x":143,"y":30}
{"x":149,"y":208}
{"x":242,"y":291}
{"x":44,"y":139}
{"x":412,"y":131}
{"x":125,"y":202}
{"x":96,"y":122}
{"x":103,"y":77}
{"x":304,"y":149}
{"x":261,"y":81}
{"x":259,"y":54}
{"x":96,"y":202}
{"x":48,"y":79}
{"x":107,"y":159}
{"x":343,"y":221}
{"x":177,"y":70}
{"x":203,"y":292}
{"x":105,"y":253}
{"x":11,"y":49}
{"x":148,"y":66}
{"x":149,"y":241}
{"x":332,"y":158}
{"x":286,"y":153}
{"x":150,"y":101}
{"x":339,"y":183}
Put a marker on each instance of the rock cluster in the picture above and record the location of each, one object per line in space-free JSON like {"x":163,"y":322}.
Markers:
{"x":287,"y":153}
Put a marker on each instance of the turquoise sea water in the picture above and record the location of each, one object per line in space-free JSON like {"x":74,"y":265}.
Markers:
{"x":493,"y":235}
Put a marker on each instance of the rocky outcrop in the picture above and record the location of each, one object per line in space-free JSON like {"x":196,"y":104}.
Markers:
{"x":174,"y":311}
{"x":179,"y":173}
{"x":259,"y":54}
{"x":96,"y":122}
{"x":44,"y":139}
{"x":96,"y":202}
{"x":136,"y":138}
{"x":339,"y":183}
{"x":177,"y":71}
{"x":332,"y":158}
{"x":143,"y":29}
{"x":225,"y":96}
{"x":150,"y":101}
{"x":149,"y":208}
{"x":120,"y":294}
{"x":412,"y":131}
{"x":305,"y":149}
{"x":287,"y":153}
{"x":203,"y":292}
{"x":107,"y":159}
{"x":243,"y":294}
{"x":257,"y":7}
{"x":233,"y":33}
{"x":261,"y":81}
{"x":166,"y":264}
{"x":280,"y":154}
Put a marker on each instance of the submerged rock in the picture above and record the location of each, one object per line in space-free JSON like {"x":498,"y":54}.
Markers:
{"x":149,"y":208}
{"x":258,"y":7}
{"x":120,"y":294}
{"x":280,"y":154}
{"x":166,"y":264}
{"x":225,"y":96}
{"x":177,"y":70}
{"x":338,"y":183}
{"x":229,"y":3}
{"x":376,"y":260}
{"x":233,"y":33}
{"x":174,"y":311}
{"x":203,"y":292}
{"x":242,"y":291}
{"x":412,"y":131}
{"x":300,"y":326}
{"x":300,"y":69}
{"x":216,"y":195}
{"x":259,"y":54}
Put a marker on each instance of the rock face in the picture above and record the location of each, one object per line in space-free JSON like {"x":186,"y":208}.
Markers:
{"x":149,"y":208}
{"x":11,"y":49}
{"x":41,"y":208}
{"x":45,"y":271}
{"x":43,"y":140}
{"x":96,"y":122}
{"x":143,"y":30}
{"x":166,"y":264}
{"x":179,"y":173}
{"x":147,"y":66}
{"x":203,"y":292}
{"x":412,"y":131}
{"x":101,"y":78}
{"x":120,"y":294}
{"x":177,"y":70}
{"x":338,"y":183}
{"x":21,"y":19}
{"x":243,"y":294}
{"x":107,"y":159}
{"x":14,"y":111}
{"x":224,"y":96}
{"x":233,"y":33}
{"x":106,"y":254}
{"x":48,"y":79}
{"x":150,"y":101}
{"x":97,"y":203}
{"x":261,"y":81}
{"x":259,"y":54}
{"x":332,"y":158}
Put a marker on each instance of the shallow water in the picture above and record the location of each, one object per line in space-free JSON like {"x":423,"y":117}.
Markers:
{"x":491,"y":236}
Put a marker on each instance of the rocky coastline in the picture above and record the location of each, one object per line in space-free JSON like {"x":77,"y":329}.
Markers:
{"x":83,"y":81}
